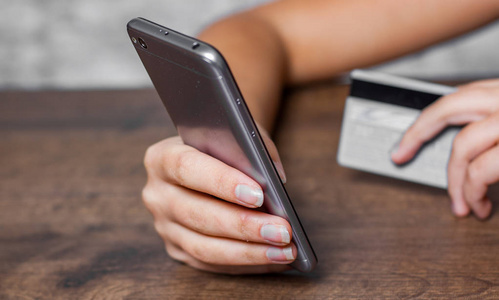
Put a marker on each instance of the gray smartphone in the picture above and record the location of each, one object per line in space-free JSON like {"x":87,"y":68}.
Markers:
{"x":202,"y":98}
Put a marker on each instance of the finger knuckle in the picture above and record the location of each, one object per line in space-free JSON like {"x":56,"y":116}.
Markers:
{"x":193,"y":217}
{"x":459,"y":145}
{"x":473,"y":173}
{"x":148,"y":196}
{"x":200,"y":253}
{"x":169,"y":200}
{"x":176,"y":253}
{"x":161,"y":228}
{"x":251,"y":256}
{"x":150,"y":157}
{"x":159,"y":199}
{"x":222,"y":183}
{"x":244,"y":225}
{"x":166,"y":230}
{"x":183,"y":164}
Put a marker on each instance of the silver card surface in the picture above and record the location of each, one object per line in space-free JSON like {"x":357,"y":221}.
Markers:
{"x":379,"y":109}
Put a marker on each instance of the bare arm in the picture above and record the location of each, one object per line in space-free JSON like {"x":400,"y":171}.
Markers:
{"x":295,"y":41}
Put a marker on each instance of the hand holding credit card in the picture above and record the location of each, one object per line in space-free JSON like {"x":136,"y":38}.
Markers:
{"x":379,"y":109}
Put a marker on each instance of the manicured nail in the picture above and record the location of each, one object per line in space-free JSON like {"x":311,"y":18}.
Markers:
{"x":249,"y":195}
{"x":280,"y":170}
{"x":280,"y":255}
{"x":275,"y":233}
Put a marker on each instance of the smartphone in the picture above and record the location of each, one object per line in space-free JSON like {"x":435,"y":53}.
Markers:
{"x":201,"y":96}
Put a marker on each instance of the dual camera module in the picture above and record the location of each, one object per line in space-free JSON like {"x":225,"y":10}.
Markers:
{"x":141,"y":42}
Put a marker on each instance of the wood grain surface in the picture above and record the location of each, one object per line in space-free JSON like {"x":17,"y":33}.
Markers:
{"x":73,"y":226}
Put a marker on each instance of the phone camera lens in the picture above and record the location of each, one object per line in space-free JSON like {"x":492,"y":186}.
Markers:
{"x":142,"y":43}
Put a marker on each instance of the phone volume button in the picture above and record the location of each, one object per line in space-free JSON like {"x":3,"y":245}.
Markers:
{"x":238,"y":101}
{"x":253,"y":134}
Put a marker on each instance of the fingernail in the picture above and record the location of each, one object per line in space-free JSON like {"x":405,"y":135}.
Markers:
{"x":275,"y":233}
{"x":280,"y":170}
{"x":280,"y":255}
{"x":249,"y":195}
{"x":394,"y":150}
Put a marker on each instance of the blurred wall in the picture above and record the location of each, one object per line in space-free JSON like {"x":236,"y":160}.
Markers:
{"x":83,"y":43}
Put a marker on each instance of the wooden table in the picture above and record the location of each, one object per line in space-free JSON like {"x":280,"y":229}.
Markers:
{"x":72,"y":224}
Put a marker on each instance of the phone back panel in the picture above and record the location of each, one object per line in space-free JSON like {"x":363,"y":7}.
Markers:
{"x":203,"y":101}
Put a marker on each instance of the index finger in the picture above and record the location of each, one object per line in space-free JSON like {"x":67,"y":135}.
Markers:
{"x":462,"y":107}
{"x":179,"y":164}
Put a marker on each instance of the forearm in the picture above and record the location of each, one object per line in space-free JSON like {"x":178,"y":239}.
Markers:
{"x":325,"y":37}
{"x":257,"y":60}
{"x":295,"y":41}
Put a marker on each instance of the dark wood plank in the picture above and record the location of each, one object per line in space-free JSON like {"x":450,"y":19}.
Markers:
{"x":72,"y":224}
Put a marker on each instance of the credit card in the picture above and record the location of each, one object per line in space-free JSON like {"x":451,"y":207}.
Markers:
{"x":378,"y":111}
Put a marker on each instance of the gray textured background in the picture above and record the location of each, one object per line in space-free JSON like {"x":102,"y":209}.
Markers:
{"x":83,"y":44}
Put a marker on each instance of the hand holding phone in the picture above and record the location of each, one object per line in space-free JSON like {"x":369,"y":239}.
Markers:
{"x":221,"y":156}
{"x":200,"y":218}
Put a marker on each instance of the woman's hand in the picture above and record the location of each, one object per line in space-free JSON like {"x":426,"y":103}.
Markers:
{"x":474,"y":162}
{"x":202,"y":211}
